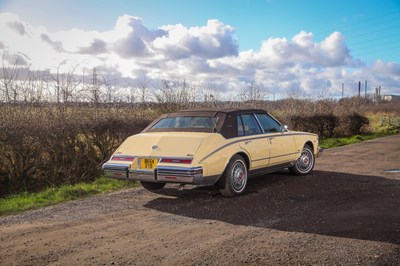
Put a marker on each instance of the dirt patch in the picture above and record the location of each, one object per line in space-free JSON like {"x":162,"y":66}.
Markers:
{"x":346,"y":212}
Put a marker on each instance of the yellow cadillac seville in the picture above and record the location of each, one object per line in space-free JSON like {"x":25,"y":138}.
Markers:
{"x":204,"y":147}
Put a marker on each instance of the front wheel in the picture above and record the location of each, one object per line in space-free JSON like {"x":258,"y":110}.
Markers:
{"x":152,"y":186}
{"x":305,"y":163}
{"x":234,"y":180}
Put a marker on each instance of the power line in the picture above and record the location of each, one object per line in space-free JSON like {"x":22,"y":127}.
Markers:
{"x":368,"y":32}
{"x":378,"y":45}
{"x":355,"y":23}
{"x":377,"y":51}
{"x":369,"y":25}
{"x":376,"y":31}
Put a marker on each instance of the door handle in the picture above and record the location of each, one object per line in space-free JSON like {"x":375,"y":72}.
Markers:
{"x":270,"y":140}
{"x":247,"y":142}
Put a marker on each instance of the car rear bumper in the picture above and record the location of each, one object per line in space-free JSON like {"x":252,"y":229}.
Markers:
{"x":118,"y":171}
{"x":162,"y":174}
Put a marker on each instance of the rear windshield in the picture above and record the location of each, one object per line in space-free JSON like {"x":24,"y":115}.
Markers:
{"x":187,"y":123}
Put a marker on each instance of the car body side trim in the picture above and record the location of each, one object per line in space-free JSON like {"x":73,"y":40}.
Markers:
{"x":268,"y":169}
{"x":246,"y":139}
{"x":283,"y":155}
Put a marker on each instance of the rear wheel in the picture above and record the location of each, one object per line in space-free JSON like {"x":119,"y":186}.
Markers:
{"x":234,"y":180}
{"x":152,"y":186}
{"x":305,"y":163}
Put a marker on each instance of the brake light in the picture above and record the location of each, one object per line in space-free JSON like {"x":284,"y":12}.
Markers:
{"x":123,"y":158}
{"x":172,"y":160}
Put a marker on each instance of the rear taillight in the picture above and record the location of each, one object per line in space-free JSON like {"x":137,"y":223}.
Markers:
{"x":123,"y":158}
{"x":173,"y":160}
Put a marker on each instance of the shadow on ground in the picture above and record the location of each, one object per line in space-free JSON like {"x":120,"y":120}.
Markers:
{"x":325,"y":203}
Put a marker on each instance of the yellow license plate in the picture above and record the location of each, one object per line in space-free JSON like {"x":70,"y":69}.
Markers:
{"x":148,"y":163}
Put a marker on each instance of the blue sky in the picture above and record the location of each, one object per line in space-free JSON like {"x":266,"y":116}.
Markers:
{"x":371,"y":27}
{"x":368,"y":43}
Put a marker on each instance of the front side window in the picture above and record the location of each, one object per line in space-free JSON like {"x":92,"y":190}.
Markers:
{"x":250,"y":125}
{"x":268,"y":124}
{"x":187,"y":122}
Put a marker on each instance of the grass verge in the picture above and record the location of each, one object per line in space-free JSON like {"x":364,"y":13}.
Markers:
{"x":336,"y":142}
{"x":26,"y":201}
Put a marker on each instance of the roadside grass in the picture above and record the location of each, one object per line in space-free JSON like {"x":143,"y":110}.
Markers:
{"x":336,"y":142}
{"x":26,"y":201}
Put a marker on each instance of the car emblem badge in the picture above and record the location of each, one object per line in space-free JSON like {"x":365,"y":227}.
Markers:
{"x":154,"y":147}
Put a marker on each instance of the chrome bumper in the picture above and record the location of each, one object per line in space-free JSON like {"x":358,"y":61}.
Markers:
{"x":191,"y":175}
{"x":118,"y":171}
{"x":162,"y":174}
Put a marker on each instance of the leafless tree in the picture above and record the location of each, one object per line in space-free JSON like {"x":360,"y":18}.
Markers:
{"x":254,"y":93}
{"x":173,"y":95}
{"x":211,"y":95}
{"x":66,"y":83}
{"x":34,"y":86}
{"x":142,"y":85}
{"x":8,"y":80}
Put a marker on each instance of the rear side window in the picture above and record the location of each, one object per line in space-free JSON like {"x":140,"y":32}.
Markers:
{"x":248,"y":125}
{"x":184,"y":122}
{"x":240,"y":129}
{"x":268,"y":123}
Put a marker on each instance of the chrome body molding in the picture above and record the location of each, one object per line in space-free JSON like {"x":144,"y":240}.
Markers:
{"x":161,"y":174}
{"x":114,"y":170}
{"x":174,"y":174}
{"x":179,"y":171}
{"x":244,"y":139}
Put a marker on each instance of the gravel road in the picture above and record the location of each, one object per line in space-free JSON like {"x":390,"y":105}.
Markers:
{"x":347,"y":212}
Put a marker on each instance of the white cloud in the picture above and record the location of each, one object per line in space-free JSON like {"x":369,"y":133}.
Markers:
{"x":209,"y":53}
{"x":303,"y":50}
{"x":214,"y":40}
{"x":56,"y":45}
{"x":17,"y":26}
{"x":382,"y":67}
{"x":17,"y":58}
{"x":137,"y":39}
{"x":97,"y":46}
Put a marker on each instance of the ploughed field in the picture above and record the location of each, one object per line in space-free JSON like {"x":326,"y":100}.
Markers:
{"x":346,"y":212}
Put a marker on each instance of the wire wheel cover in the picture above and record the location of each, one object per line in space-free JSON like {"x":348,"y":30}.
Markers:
{"x":306,"y":161}
{"x":239,"y":176}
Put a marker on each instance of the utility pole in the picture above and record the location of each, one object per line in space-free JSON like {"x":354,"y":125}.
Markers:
{"x":342,"y":90}
{"x":359,"y":88}
{"x":365,"y":88}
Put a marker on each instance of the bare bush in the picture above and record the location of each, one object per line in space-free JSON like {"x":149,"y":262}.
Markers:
{"x":53,"y":145}
{"x":323,"y":125}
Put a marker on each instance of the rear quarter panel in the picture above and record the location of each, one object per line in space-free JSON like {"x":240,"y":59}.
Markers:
{"x":215,"y":153}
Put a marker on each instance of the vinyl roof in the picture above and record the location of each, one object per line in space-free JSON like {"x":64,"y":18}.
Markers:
{"x":220,"y":110}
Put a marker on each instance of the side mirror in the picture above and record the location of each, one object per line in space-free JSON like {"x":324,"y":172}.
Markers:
{"x":284,"y":128}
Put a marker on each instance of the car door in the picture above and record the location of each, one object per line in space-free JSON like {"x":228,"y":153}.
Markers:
{"x":281,"y":142}
{"x":254,"y":142}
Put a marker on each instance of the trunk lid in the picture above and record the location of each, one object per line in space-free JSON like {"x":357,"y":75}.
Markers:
{"x":163,"y":144}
